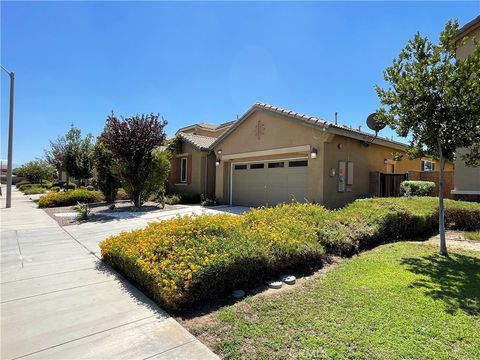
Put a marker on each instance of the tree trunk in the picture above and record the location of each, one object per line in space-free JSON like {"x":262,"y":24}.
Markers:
{"x":441,"y":208}
{"x":137,"y":200}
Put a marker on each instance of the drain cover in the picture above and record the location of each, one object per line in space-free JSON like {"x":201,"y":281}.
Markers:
{"x":275,"y":284}
{"x":289,"y":279}
{"x":238,"y":294}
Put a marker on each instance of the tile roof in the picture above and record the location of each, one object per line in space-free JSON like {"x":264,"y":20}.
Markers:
{"x":199,"y":141}
{"x":318,"y":121}
{"x":315,"y":122}
{"x":292,"y":114}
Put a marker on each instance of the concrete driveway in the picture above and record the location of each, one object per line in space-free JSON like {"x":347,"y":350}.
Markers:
{"x":59,"y":301}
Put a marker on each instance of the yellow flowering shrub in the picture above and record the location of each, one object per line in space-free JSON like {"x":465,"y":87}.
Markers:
{"x":187,"y":259}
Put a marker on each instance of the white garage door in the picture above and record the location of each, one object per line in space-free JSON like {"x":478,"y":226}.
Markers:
{"x":270,"y":182}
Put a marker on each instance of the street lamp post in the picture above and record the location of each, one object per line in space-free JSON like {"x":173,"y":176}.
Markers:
{"x":10,"y":140}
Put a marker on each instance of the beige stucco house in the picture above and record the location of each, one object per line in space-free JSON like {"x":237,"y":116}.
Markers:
{"x":467,"y":179}
{"x":271,"y":155}
{"x":193,"y":167}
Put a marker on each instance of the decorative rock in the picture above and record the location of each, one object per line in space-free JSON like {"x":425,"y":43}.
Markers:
{"x":238,"y":294}
{"x":275,"y":284}
{"x":289,"y":279}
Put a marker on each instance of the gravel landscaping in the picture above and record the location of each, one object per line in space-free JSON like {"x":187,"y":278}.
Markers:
{"x":67,"y":215}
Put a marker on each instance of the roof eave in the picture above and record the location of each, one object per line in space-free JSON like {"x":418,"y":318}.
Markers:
{"x":467,"y":28}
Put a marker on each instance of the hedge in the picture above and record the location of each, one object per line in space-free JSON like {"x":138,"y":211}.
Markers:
{"x":188,"y":259}
{"x":416,"y":188}
{"x":183,"y":261}
{"x":34,"y":190}
{"x":68,"y":198}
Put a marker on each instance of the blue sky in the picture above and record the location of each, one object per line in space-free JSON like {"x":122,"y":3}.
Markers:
{"x":75,"y":62}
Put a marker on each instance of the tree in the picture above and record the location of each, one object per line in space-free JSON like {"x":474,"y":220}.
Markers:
{"x":54,"y":156}
{"x":77,"y":159}
{"x":159,"y":173}
{"x":104,"y":176}
{"x":435,"y":98}
{"x":132,"y":141}
{"x":36,"y":171}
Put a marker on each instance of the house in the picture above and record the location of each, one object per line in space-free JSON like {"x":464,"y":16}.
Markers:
{"x":193,"y":166}
{"x":271,"y":155}
{"x":467,"y":179}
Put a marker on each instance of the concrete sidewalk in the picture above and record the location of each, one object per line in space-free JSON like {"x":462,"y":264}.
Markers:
{"x":59,"y":301}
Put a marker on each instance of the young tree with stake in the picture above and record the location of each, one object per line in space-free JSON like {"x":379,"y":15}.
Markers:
{"x":435,"y":98}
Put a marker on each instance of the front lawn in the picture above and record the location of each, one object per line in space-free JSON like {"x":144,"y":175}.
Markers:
{"x":398,"y":301}
{"x":473,"y":235}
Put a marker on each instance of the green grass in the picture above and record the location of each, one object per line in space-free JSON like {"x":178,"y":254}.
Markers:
{"x":398,"y":301}
{"x":473,"y":235}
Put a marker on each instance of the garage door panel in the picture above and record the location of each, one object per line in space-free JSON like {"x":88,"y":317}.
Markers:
{"x":256,"y":187}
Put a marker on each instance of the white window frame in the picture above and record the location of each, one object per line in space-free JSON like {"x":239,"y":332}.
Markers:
{"x":181,"y":169}
{"x":431,"y":167}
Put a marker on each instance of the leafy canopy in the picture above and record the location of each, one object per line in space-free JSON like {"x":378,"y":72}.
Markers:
{"x":77,"y":159}
{"x":132,"y":142}
{"x":36,"y":171}
{"x":103,"y":173}
{"x":435,"y":97}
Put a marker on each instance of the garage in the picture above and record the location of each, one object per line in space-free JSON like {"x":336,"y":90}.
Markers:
{"x":269,"y":182}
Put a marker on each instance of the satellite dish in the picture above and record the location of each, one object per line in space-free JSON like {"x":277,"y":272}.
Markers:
{"x":373,"y":124}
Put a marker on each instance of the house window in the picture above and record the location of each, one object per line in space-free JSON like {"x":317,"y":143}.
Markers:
{"x":257,"y":166}
{"x":240,"y":167}
{"x":428,"y":165}
{"x":274,"y":165}
{"x":183,"y":170}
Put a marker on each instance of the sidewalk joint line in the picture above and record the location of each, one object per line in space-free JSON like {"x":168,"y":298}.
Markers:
{"x":19,"y":248}
{"x":41,"y":276}
{"x":83,"y":337}
{"x":56,"y":291}
{"x":172,"y":348}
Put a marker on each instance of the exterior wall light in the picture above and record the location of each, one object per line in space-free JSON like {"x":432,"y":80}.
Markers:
{"x":385,"y":161}
{"x":313,"y":153}
{"x":219,"y":151}
{"x":217,"y":163}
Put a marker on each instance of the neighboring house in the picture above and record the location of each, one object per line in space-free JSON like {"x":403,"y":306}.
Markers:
{"x":193,"y":168}
{"x":467,"y":179}
{"x":271,"y":155}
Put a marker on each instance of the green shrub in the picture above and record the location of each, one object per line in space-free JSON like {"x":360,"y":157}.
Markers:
{"x":83,"y":211}
{"x":29,"y":186}
{"x":173,"y":199}
{"x":208,"y":202}
{"x":23,"y":182}
{"x":190,"y":198}
{"x":186,"y":260}
{"x":69,"y":186}
{"x":474,"y":235}
{"x":417,"y":188}
{"x":24,"y":187}
{"x":67,"y":198}
{"x":34,"y":190}
{"x":46,"y":184}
